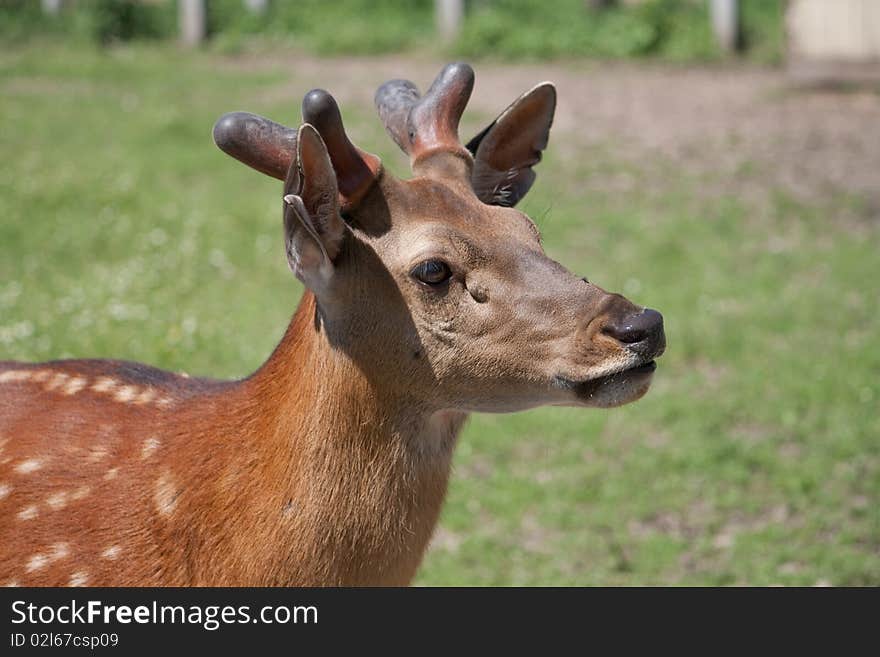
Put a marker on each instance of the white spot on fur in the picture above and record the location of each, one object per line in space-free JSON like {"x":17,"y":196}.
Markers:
{"x":111,"y":552}
{"x":57,"y":381}
{"x":41,"y":375}
{"x":104,"y":384}
{"x":40,"y":561}
{"x":164,"y":402}
{"x":80,"y":492}
{"x":12,"y":584}
{"x":96,"y":454}
{"x":75,"y":385}
{"x":125,"y":394}
{"x":28,"y":513}
{"x":150,"y":445}
{"x":60,"y":551}
{"x":166,"y":494}
{"x":26,"y":467}
{"x":148,"y":395}
{"x":79,"y":578}
{"x":4,"y":490}
{"x":111,"y":474}
{"x":14,"y":375}
{"x":36,"y":562}
{"x":185,"y":375}
{"x":57,"y":501}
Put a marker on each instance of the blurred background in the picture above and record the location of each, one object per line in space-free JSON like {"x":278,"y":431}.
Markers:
{"x":717,"y":160}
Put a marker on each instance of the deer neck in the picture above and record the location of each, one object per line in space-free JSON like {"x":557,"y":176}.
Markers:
{"x":358,"y":473}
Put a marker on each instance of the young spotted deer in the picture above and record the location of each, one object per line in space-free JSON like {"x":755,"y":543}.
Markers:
{"x":427,"y":299}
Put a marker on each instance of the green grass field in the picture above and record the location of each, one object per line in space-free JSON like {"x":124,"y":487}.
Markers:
{"x":755,"y":458}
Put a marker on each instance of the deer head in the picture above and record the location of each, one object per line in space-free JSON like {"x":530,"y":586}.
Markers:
{"x":437,"y":287}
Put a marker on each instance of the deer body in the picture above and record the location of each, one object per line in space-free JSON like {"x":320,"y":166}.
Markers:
{"x":427,"y":299}
{"x":221,"y":483}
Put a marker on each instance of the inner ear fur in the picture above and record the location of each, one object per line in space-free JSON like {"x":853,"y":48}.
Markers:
{"x":312,"y":223}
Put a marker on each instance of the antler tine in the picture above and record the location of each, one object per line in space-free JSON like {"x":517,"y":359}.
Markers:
{"x":262,"y":144}
{"x":427,"y":124}
{"x":394,"y":100}
{"x":356,"y":170}
{"x":270,"y":147}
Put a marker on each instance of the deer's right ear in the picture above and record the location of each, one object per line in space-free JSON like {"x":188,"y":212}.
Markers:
{"x":505,"y":152}
{"x":313,"y":227}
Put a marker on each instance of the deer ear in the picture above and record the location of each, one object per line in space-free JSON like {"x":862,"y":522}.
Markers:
{"x":505,"y":152}
{"x":313,"y":227}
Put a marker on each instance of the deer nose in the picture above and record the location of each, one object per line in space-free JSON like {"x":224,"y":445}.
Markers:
{"x":641,"y":332}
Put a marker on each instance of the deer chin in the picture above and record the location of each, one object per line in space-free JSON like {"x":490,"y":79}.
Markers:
{"x":617,"y":389}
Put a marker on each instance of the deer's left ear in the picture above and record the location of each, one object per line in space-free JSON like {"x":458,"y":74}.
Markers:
{"x":313,"y":227}
{"x":505,"y":152}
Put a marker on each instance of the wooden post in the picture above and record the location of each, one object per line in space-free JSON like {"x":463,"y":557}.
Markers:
{"x":725,"y":23}
{"x":192,"y":21}
{"x":448,"y":15}
{"x":51,"y":7}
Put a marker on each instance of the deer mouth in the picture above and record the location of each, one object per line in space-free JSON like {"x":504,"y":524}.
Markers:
{"x":644,"y":368}
{"x":636,"y":379}
{"x":634,"y":370}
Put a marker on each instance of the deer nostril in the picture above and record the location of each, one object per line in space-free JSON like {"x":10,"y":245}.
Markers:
{"x":631,"y":329}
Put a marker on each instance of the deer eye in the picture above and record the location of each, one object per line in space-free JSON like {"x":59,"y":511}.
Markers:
{"x":432,"y":272}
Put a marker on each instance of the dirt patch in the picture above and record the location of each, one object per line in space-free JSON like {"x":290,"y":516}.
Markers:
{"x":736,"y":130}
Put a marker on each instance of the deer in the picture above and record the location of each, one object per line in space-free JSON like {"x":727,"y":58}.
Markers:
{"x":426,"y":299}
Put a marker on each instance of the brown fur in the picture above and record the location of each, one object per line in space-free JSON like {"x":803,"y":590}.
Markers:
{"x":269,"y":488}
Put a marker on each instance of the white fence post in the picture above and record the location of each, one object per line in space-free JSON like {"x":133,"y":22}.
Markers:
{"x":51,"y":7}
{"x":192,"y":21}
{"x":725,"y":23}
{"x":448,"y":15}
{"x":257,"y":6}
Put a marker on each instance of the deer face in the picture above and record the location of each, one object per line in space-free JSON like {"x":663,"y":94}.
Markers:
{"x":436,"y":286}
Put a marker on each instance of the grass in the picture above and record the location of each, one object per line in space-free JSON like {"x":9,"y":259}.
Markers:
{"x":753,"y":460}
